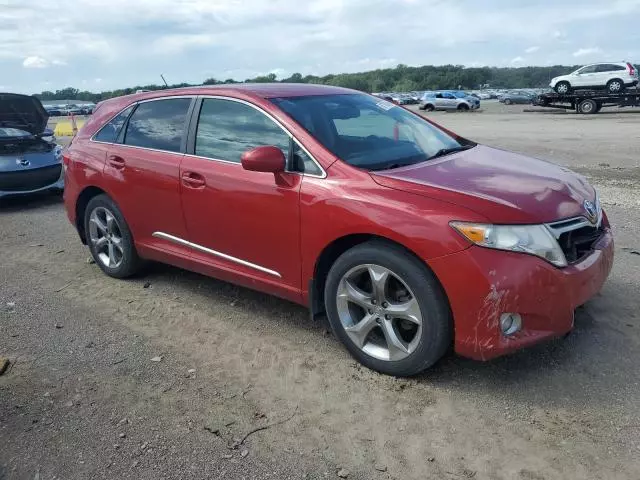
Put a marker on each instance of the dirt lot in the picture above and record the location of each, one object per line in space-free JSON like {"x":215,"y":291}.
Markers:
{"x":84,"y":399}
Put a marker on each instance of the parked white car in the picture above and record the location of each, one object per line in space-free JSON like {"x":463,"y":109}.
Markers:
{"x":447,"y":101}
{"x":615,"y":77}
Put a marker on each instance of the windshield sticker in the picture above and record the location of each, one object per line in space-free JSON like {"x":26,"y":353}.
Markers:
{"x":383,"y":104}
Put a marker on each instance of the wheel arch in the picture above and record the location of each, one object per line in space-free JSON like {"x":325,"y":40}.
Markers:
{"x":81,"y":205}
{"x":337,"y":247}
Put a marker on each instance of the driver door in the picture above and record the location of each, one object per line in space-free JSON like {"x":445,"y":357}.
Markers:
{"x":242,"y":222}
{"x":586,"y":77}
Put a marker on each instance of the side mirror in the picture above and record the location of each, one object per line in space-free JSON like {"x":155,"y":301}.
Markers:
{"x":264,"y":159}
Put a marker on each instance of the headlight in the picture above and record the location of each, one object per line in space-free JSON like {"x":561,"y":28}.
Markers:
{"x":533,"y":239}
{"x":57,"y":152}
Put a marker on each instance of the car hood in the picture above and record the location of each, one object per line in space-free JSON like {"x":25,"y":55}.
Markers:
{"x":502,"y":186}
{"x":23,"y":112}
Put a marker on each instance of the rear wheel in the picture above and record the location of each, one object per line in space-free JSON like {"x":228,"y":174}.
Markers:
{"x":615,"y":86}
{"x":388,"y":309}
{"x":109,"y":238}
{"x":562,"y":88}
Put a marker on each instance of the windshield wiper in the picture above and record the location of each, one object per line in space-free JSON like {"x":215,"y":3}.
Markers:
{"x":447,"y":151}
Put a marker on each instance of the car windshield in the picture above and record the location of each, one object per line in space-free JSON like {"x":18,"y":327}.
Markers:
{"x":13,"y":133}
{"x":368,"y":132}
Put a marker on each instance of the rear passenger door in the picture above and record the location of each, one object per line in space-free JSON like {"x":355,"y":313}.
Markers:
{"x":143,"y":168}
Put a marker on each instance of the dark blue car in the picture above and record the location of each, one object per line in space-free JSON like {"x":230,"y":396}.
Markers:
{"x":30,"y":160}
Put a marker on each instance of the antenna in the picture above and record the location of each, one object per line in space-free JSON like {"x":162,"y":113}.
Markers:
{"x":165,"y":82}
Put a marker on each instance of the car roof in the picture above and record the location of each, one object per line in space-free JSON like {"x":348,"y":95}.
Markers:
{"x":262,"y":90}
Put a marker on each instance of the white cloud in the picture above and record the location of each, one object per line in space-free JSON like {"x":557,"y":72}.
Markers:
{"x":35,"y":62}
{"x":517,"y":60}
{"x":532,"y":49}
{"x":586,"y":52}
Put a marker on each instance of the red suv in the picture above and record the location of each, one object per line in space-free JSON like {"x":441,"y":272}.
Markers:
{"x":412,"y":239}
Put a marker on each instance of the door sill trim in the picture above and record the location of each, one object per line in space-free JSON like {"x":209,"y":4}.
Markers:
{"x":200,"y":248}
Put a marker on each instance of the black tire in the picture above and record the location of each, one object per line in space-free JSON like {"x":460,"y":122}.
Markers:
{"x":429,"y":108}
{"x":437,"y":327}
{"x":463,"y":107}
{"x":130,"y":261}
{"x":587,"y":106}
{"x":615,"y":86}
{"x":559,"y":88}
{"x":507,"y":101}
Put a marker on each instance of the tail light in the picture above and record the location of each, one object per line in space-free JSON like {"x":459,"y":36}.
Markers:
{"x":632,"y":70}
{"x":66,"y":160}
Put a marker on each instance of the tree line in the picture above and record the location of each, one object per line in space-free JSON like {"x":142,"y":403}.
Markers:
{"x":399,"y":79}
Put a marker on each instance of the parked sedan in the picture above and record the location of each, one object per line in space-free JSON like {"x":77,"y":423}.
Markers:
{"x":516,"y":97}
{"x":411,"y":238}
{"x":30,"y":161}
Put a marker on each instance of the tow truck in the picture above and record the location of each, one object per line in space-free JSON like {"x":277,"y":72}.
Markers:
{"x":589,"y":101}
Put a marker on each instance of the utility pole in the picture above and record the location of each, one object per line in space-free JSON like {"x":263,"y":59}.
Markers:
{"x":165,"y":82}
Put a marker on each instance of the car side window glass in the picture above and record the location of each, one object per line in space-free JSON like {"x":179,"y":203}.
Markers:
{"x":227,"y":129}
{"x":303,"y":162}
{"x":589,"y":69}
{"x":158,"y":124}
{"x":109,"y":133}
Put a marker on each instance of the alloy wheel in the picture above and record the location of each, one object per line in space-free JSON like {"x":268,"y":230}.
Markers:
{"x":379,"y":312}
{"x":615,"y":86}
{"x":106,"y":237}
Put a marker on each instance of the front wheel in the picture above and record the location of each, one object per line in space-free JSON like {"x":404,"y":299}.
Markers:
{"x":109,"y":238}
{"x":463,"y":107}
{"x":562,"y":88}
{"x":388,"y":309}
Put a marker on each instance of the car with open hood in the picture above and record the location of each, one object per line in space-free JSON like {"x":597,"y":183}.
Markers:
{"x":411,"y":239}
{"x":30,"y":160}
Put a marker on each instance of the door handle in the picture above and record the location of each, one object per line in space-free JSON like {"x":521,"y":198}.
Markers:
{"x":193,"y":180}
{"x":116,"y":162}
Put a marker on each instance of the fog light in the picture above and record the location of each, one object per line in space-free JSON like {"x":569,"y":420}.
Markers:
{"x":510,"y":323}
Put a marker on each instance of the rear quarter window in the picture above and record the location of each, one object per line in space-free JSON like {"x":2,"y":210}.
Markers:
{"x":109,"y":133}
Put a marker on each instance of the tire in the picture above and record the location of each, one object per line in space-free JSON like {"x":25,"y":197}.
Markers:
{"x":587,"y":106}
{"x":429,"y":108}
{"x":563,"y":87}
{"x":423,"y":338}
{"x":109,"y":238}
{"x":507,"y":101}
{"x":463,"y":107}
{"x":615,"y":86}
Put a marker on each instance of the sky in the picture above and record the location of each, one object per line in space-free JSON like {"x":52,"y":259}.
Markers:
{"x":101,"y":45}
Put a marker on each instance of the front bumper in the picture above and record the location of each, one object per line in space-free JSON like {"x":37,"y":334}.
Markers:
{"x":31,"y":181}
{"x":482,"y":284}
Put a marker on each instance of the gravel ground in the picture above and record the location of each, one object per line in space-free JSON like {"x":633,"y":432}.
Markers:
{"x":162,"y":376}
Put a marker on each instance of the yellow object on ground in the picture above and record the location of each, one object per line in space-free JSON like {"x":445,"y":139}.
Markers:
{"x":65,"y":128}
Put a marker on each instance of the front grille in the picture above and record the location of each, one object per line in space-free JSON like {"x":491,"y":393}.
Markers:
{"x":577,"y":244}
{"x":32,"y":179}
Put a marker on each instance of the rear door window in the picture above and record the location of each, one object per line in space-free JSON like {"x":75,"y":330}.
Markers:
{"x":109,"y":133}
{"x":227,"y":129}
{"x":158,"y":124}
